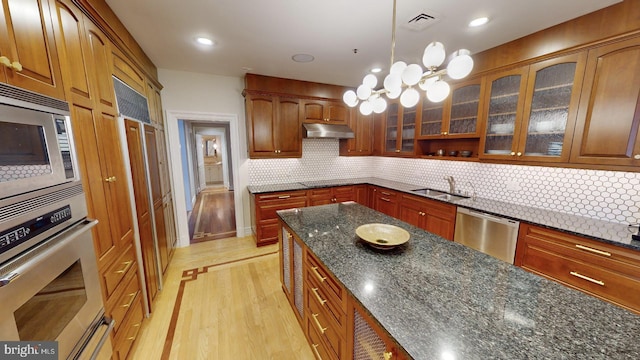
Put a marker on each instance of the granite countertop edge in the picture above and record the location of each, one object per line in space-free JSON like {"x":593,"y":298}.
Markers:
{"x":595,"y":229}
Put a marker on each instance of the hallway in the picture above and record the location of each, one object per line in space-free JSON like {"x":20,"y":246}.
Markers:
{"x":213,"y":216}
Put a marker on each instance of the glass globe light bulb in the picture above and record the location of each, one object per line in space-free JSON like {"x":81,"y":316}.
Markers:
{"x":397,"y":67}
{"x":461,"y":65}
{"x":434,"y":55}
{"x":438,"y":91}
{"x":411,"y":74}
{"x":350,"y":98}
{"x":393,"y":94}
{"x":410,"y":98}
{"x":379,"y":105}
{"x":392,"y":82}
{"x":366,"y":108}
{"x":370,"y":80}
{"x":363,"y":92}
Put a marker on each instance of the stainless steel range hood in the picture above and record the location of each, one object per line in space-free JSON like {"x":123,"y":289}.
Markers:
{"x":328,"y":131}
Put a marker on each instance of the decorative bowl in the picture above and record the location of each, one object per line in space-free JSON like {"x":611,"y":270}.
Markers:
{"x":382,"y":236}
{"x":466,"y":153}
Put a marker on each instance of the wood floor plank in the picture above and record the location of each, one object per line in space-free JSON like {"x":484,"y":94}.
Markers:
{"x":232,"y":307}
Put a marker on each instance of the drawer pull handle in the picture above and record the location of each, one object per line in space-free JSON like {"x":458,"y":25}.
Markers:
{"x":284,"y":197}
{"x":315,"y":318}
{"x":385,"y":199}
{"x":131,"y":338}
{"x":315,"y":292}
{"x":388,"y":354}
{"x":126,"y":267}
{"x":315,"y":350}
{"x":385,"y":193}
{"x":583,"y":277}
{"x":315,"y":271}
{"x":131,"y":297}
{"x":595,"y":251}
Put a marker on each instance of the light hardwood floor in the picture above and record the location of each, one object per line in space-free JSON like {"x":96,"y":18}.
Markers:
{"x":222,"y":300}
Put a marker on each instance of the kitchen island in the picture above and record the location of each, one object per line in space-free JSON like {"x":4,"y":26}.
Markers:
{"x":437,"y":299}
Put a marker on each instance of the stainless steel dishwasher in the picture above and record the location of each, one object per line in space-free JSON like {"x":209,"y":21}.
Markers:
{"x":487,"y":233}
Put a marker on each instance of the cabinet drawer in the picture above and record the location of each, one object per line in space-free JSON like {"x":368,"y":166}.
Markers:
{"x":126,"y":300}
{"x":129,"y":330}
{"x":268,"y":211}
{"x":592,"y":279}
{"x":317,"y":345}
{"x":318,"y":295}
{"x":117,"y":271}
{"x":281,"y":196}
{"x":329,"y":331}
{"x":600,"y":254}
{"x":316,"y":273}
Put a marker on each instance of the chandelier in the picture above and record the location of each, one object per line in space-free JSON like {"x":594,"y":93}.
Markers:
{"x":403,"y":79}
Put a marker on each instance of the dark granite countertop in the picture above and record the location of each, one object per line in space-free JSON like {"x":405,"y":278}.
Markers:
{"x":441,"y":300}
{"x":600,"y":230}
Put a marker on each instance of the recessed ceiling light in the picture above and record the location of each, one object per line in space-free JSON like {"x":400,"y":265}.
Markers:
{"x":204,"y":41}
{"x":302,"y":58}
{"x":478,"y":22}
{"x":376,"y":70}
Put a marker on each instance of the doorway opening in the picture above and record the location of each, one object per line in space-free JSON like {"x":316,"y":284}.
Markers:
{"x":208,"y":179}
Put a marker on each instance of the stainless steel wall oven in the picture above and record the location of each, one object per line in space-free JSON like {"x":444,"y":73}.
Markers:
{"x":49,"y":285}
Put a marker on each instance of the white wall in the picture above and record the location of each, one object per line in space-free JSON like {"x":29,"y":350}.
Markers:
{"x":206,"y":97}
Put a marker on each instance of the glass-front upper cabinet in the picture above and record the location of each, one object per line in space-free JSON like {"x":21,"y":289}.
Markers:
{"x":532,"y":110}
{"x":400,"y":128}
{"x":455,"y":117}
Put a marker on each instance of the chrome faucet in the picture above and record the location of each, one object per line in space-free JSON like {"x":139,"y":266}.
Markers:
{"x":474,"y":195}
{"x":452,"y":184}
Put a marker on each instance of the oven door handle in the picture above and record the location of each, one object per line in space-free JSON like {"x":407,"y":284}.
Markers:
{"x":110,"y":324}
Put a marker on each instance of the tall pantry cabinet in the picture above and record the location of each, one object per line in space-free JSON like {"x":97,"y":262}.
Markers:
{"x":85,"y":56}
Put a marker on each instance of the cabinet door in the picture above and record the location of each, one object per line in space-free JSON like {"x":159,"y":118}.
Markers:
{"x":261,"y":125}
{"x":344,"y":193}
{"x":69,"y":31}
{"x":320,"y":196}
{"x":286,"y":262}
{"x":362,"y":144}
{"x":99,"y":58}
{"x":553,"y":92}
{"x":367,"y":340}
{"x":288,"y":128}
{"x":432,"y":123}
{"x":504,"y":113}
{"x":407,"y":137}
{"x":323,"y":111}
{"x":117,"y":188}
{"x":27,"y":39}
{"x":464,"y":110}
{"x":337,"y":112}
{"x":412,"y":214}
{"x":609,"y":115}
{"x":386,"y":202}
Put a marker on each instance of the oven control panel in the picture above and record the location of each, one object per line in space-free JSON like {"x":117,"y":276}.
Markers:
{"x":29,"y":229}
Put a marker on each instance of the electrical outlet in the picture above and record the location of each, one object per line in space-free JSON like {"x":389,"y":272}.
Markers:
{"x":512,"y":186}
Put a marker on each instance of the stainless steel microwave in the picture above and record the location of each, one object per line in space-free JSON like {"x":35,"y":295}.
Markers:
{"x":36,"y":147}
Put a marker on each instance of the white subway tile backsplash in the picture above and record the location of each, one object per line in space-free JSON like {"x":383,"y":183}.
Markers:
{"x":607,"y":195}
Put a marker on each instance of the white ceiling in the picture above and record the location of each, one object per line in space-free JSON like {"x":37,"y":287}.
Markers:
{"x":262,"y":35}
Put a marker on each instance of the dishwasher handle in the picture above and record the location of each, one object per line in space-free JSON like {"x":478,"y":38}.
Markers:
{"x":490,"y":217}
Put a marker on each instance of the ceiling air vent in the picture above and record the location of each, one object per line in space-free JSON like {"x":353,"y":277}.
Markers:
{"x":421,"y":21}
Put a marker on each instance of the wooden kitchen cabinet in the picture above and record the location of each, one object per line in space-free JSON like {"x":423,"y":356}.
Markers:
{"x":264,"y":220}
{"x":399,"y":130}
{"x":274,"y":126}
{"x":607,"y":132}
{"x":531,"y":110}
{"x":332,"y":195}
{"x":609,"y":272}
{"x":431,"y":215}
{"x":458,"y":116}
{"x":326,"y":111}
{"x":28,"y":48}
{"x":292,"y":271}
{"x":385,"y":200}
{"x":362,"y":143}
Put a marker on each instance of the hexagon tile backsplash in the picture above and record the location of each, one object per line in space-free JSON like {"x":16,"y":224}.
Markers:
{"x":610,"y":195}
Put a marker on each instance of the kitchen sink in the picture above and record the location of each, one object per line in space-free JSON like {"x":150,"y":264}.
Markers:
{"x":437,"y":194}
{"x":449,"y":197}
{"x":429,"y":192}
